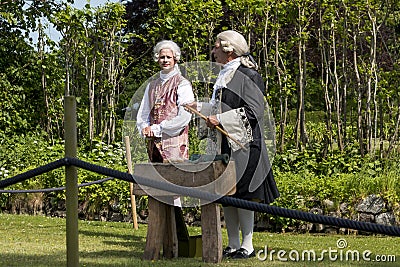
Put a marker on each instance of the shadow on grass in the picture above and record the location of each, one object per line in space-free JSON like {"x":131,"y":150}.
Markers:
{"x":135,"y":244}
{"x":112,"y":235}
{"x":17,"y":260}
{"x":119,"y":256}
{"x":133,"y":254}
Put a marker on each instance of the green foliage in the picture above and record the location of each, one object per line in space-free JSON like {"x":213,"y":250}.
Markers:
{"x":11,"y":118}
{"x":313,"y":161}
{"x":23,"y":153}
{"x":111,"y":193}
{"x":94,"y":55}
{"x":302,"y":178}
{"x":196,"y":146}
{"x":192,"y":29}
{"x":342,"y":178}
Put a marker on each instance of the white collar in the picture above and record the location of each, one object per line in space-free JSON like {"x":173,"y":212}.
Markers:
{"x":225,"y":75}
{"x":166,"y":76}
{"x":232,"y":64}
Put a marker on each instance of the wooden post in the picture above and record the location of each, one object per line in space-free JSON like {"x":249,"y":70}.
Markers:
{"x":211,"y":232}
{"x":71,"y":178}
{"x":131,"y":185}
{"x":161,"y":231}
{"x":170,"y":242}
{"x":156,"y":229}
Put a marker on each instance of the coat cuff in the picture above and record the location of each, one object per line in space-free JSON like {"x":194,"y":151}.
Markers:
{"x":236,"y":123}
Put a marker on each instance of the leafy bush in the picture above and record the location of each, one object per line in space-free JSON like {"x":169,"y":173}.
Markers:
{"x":302,"y":189}
{"x":113,"y":193}
{"x":317,"y":162}
{"x":23,"y":153}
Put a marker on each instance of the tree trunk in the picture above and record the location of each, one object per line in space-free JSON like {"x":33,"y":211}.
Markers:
{"x":300,"y":129}
{"x":301,"y":134}
{"x":47,"y":123}
{"x":394,"y":138}
{"x":373,"y":82}
{"x":336,"y":90}
{"x":345,"y":83}
{"x":360,"y":132}
{"x":325,"y":84}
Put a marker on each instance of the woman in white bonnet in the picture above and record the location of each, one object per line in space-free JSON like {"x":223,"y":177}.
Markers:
{"x":161,"y":117}
{"x":239,"y":94}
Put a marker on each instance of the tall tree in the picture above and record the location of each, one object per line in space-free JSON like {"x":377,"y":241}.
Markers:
{"x":305,"y":11}
{"x":22,"y":69}
{"x":94,"y":37}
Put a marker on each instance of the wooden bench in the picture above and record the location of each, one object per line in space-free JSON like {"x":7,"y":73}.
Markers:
{"x":214,"y":177}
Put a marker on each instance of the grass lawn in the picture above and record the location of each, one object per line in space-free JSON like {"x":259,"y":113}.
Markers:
{"x":40,"y":241}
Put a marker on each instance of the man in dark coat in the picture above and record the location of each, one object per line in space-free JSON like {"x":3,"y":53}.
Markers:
{"x":239,"y":100}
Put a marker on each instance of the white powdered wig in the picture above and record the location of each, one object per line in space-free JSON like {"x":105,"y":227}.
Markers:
{"x":167,"y":44}
{"x":234,"y":41}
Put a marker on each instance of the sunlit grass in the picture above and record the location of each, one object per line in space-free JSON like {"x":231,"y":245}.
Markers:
{"x":41,"y":241}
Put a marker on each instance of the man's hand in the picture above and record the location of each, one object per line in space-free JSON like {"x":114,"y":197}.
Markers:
{"x":147,"y":132}
{"x":212,"y":121}
{"x":192,"y":105}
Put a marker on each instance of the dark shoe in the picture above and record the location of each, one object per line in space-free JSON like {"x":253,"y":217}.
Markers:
{"x":228,"y":252}
{"x":243,"y":254}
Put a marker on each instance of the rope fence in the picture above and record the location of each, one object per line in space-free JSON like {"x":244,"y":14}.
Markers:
{"x":221,"y":199}
{"x":55,"y":188}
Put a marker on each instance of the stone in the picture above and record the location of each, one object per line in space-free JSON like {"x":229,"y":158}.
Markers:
{"x":386,"y":218}
{"x":316,"y":227}
{"x":196,"y":223}
{"x":344,"y":208}
{"x":372,"y":204}
{"x":329,"y":204}
{"x":116,"y":217}
{"x":331,"y":230}
{"x":313,"y":201}
{"x":60,"y":214}
{"x":316,"y":211}
{"x":319,"y":228}
{"x":61,"y":205}
{"x":189,"y":218}
{"x":115,"y":207}
{"x":366,"y":217}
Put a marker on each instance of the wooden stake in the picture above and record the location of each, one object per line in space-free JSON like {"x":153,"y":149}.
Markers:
{"x":71,"y":177}
{"x":131,"y":185}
